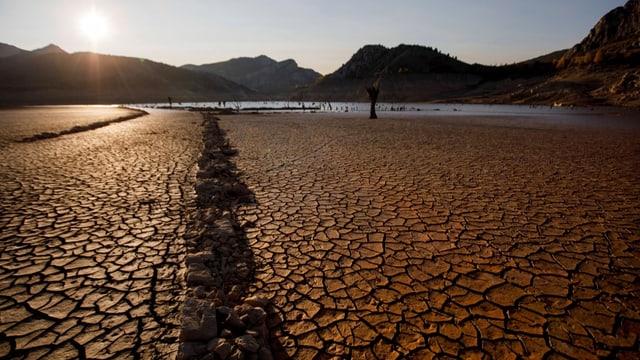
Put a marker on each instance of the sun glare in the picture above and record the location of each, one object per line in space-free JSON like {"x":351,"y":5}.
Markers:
{"x":94,"y":26}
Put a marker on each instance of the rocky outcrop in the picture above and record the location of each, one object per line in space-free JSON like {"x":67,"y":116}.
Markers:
{"x":616,"y":36}
{"x":620,"y":24}
{"x":601,"y":70}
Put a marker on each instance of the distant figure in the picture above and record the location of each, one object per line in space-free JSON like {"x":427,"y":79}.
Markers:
{"x":373,"y":91}
{"x":170,"y":103}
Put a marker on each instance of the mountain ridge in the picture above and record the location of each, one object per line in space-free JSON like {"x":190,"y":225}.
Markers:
{"x":7,"y":50}
{"x":603,"y":69}
{"x":53,"y":76}
{"x":262,"y":74}
{"x":416,"y":73}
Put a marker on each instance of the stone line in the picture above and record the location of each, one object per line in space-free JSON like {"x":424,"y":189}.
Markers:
{"x":91,"y":241}
{"x":81,"y":128}
{"x":417,"y":237}
{"x":218,"y":319}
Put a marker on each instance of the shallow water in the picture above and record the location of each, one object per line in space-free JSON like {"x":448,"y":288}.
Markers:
{"x":508,"y":115}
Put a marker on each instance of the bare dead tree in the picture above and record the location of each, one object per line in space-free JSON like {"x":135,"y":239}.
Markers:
{"x":373,"y":90}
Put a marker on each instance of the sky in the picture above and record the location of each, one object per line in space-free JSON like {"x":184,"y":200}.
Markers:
{"x":318,"y":34}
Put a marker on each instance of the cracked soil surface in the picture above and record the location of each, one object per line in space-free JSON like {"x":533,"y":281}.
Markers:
{"x":420,"y":236}
{"x":91,"y":248}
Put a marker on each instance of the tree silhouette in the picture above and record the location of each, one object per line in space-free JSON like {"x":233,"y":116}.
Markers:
{"x":373,"y":90}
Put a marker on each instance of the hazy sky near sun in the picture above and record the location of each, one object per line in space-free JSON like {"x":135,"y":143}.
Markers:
{"x":318,"y":34}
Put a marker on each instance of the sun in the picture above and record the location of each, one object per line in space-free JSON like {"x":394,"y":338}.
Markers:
{"x":94,"y":25}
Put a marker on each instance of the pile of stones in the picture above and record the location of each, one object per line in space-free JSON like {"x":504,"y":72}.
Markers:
{"x":211,"y":330}
{"x":219,"y":320}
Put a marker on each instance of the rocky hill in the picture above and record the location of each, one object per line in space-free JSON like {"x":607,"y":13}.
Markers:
{"x":614,"y":39}
{"x":419,"y":73}
{"x":52,"y":76}
{"x":377,"y":60}
{"x":266,"y":76}
{"x":603,"y":69}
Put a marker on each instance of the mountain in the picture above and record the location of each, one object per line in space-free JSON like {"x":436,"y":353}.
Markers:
{"x":262,"y":74}
{"x":407,"y":73}
{"x":49,"y":49}
{"x":615,"y":38}
{"x":418,"y":73}
{"x":603,"y":69}
{"x":7,"y":50}
{"x":377,"y":60}
{"x":52,"y":76}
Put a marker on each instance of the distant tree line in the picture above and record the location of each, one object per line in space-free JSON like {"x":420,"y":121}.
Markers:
{"x":600,"y":57}
{"x":517,"y":70}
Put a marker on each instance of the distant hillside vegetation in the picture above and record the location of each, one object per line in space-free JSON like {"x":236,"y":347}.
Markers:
{"x":266,"y":76}
{"x":52,"y":76}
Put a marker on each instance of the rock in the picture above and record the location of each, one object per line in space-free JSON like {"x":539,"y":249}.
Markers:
{"x":257,"y":301}
{"x":199,"y":258}
{"x":221,"y":347}
{"x":223,"y":312}
{"x":237,"y":354}
{"x":226,"y":333}
{"x":234,"y":322}
{"x":230,"y":318}
{"x":198,"y":321}
{"x":190,"y":350}
{"x":242,"y":270}
{"x":254,"y":333}
{"x":200,"y":292}
{"x":250,"y":356}
{"x":247,"y":343}
{"x":254,"y":316}
{"x":198,"y":274}
{"x":262,"y":330}
{"x":264,"y":353}
{"x":235,"y":293}
{"x":209,"y":325}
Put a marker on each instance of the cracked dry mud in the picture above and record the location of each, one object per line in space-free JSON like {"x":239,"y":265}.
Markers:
{"x":91,"y":247}
{"x":418,"y":237}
